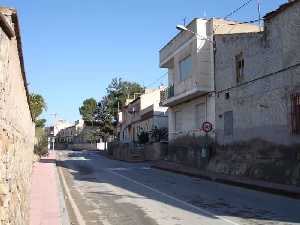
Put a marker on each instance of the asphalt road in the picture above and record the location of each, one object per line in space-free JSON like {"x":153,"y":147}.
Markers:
{"x":109,"y":192}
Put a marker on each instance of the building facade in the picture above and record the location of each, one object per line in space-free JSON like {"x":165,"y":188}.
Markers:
{"x":53,"y":131}
{"x":70,"y":134}
{"x":189,"y":59}
{"x":142,"y":115}
{"x":258,"y":81}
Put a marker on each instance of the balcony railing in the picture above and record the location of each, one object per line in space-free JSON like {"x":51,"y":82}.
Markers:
{"x":167,"y":93}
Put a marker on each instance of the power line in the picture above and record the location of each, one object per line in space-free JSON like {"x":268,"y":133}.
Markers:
{"x":157,"y":80}
{"x":235,"y":11}
{"x":238,"y":9}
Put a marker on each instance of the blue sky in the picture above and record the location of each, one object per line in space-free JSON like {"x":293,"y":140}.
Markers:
{"x":73,"y":48}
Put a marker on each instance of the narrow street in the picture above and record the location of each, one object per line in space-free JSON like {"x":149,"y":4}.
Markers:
{"x":109,"y":192}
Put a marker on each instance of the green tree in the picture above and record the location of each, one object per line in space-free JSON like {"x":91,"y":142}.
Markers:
{"x":40,"y":123}
{"x":117,"y":93}
{"x":103,"y":118}
{"x":87,"y":109}
{"x":37,"y":106}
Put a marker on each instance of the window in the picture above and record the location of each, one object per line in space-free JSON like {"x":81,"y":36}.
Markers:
{"x":178,"y":121}
{"x":185,"y":67}
{"x":228,"y":123}
{"x":239,"y":64}
{"x":296,"y":113}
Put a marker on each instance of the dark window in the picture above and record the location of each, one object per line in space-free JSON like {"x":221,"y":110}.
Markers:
{"x":296,"y":113}
{"x":227,"y":95}
{"x":239,"y":64}
{"x":228,"y":123}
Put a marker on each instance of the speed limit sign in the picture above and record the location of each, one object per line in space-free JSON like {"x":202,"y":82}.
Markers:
{"x":207,"y":127}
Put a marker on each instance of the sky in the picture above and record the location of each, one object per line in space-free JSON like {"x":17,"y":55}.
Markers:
{"x":74,"y":48}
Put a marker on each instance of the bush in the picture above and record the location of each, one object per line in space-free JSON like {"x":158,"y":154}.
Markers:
{"x":41,"y":147}
{"x":143,"y":137}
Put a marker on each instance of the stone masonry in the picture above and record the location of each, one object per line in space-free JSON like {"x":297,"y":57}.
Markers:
{"x":16,"y":126}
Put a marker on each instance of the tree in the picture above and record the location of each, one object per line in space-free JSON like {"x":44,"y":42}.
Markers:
{"x":40,"y":123}
{"x":103,"y":118}
{"x":87,"y":109}
{"x":37,"y":106}
{"x":117,"y":93}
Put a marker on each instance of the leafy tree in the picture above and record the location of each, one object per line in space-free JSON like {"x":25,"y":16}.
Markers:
{"x":40,"y":123}
{"x":87,"y":109}
{"x":37,"y":105}
{"x":117,"y":93}
{"x":103,"y":118}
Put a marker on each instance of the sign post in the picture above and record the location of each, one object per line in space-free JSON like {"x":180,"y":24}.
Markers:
{"x":206,"y":127}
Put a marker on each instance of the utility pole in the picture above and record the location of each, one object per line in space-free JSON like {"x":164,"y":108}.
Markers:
{"x":259,"y":14}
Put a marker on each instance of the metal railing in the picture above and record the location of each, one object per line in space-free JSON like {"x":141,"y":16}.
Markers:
{"x":167,"y":93}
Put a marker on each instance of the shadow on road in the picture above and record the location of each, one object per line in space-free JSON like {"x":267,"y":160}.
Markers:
{"x":93,"y":167}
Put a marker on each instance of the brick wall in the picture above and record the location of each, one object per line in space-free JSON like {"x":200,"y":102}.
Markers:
{"x":16,"y":128}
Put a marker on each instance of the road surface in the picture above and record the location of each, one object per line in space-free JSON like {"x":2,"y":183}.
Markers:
{"x":100,"y":191}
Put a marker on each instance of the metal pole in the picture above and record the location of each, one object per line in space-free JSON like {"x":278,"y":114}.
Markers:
{"x":259,"y":14}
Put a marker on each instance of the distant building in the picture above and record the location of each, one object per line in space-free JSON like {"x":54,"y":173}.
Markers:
{"x":189,"y":59}
{"x":142,"y":114}
{"x":257,"y":78}
{"x":71,"y":133}
{"x":52,"y":131}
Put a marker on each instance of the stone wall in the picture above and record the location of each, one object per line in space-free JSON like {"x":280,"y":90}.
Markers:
{"x":259,"y":160}
{"x":16,"y":128}
{"x":259,"y":104}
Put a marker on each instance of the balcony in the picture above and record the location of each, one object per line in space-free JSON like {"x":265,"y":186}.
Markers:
{"x":174,"y":95}
{"x":166,"y":94}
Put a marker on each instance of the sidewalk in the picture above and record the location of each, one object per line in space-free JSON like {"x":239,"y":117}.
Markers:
{"x":280,"y":189}
{"x":45,"y":202}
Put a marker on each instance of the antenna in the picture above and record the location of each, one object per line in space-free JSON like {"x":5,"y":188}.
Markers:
{"x":54,"y":117}
{"x":184,"y":20}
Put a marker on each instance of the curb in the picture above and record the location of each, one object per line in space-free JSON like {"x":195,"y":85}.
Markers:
{"x":65,"y":219}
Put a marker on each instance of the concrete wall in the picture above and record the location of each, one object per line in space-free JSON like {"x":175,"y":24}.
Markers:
{"x":16,"y":132}
{"x":86,"y":146}
{"x":191,"y":124}
{"x":261,"y":102}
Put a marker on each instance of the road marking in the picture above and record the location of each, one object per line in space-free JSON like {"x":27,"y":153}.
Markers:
{"x":76,"y":211}
{"x":173,"y":198}
{"x":130,"y":168}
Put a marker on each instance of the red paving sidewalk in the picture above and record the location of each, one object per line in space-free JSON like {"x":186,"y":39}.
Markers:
{"x":44,"y":206}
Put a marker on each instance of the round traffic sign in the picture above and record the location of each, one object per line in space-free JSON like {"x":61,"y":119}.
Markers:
{"x":207,"y":127}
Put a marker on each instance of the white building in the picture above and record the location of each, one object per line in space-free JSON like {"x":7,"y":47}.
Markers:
{"x":142,"y":114}
{"x":189,"y":59}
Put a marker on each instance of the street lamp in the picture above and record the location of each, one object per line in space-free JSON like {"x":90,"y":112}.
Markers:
{"x":184,"y":28}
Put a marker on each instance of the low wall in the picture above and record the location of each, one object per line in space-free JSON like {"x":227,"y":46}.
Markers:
{"x":125,"y":151}
{"x":255,"y":159}
{"x":155,"y":151}
{"x":86,"y":146}
{"x":259,"y":160}
{"x":82,"y":146}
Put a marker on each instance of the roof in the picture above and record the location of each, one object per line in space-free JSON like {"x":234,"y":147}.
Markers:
{"x":11,"y":33}
{"x":281,"y":8}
